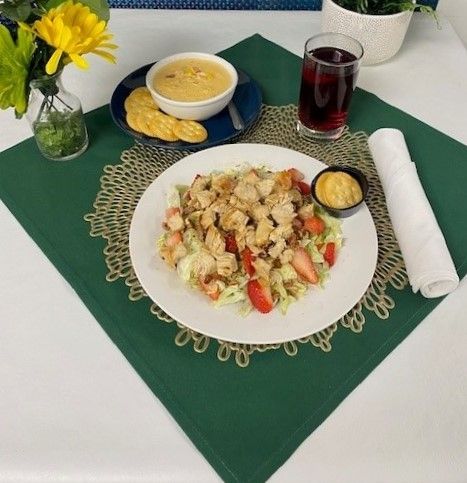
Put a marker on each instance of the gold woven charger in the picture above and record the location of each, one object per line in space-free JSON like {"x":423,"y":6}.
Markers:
{"x":123,"y":184}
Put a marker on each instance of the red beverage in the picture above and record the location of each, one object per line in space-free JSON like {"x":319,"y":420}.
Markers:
{"x":327,"y":88}
{"x":329,"y":75}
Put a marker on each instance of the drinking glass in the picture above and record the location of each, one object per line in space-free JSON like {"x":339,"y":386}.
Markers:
{"x":329,"y":74}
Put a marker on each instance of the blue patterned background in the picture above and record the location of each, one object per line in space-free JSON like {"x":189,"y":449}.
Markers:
{"x":225,"y":4}
{"x":231,"y":4}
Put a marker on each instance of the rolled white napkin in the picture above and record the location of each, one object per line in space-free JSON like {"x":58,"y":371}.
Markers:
{"x":429,"y":264}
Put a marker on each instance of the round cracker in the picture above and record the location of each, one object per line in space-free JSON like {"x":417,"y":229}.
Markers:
{"x":162,"y":126}
{"x":132,"y":103}
{"x":156,"y":124}
{"x":190,"y":131}
{"x":141,"y":95}
{"x":133,"y":121}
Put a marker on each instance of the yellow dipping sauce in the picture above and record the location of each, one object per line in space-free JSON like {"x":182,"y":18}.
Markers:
{"x":338,"y":189}
{"x":191,"y":80}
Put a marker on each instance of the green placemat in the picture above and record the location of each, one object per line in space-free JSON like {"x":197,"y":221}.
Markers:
{"x":246,"y":422}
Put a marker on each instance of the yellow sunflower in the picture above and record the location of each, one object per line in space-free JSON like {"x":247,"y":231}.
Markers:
{"x":72,"y":29}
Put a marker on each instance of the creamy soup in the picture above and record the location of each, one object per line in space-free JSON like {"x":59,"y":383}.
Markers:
{"x":191,"y":80}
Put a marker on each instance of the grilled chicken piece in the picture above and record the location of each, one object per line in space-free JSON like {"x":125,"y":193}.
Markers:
{"x":265,"y":187}
{"x":172,"y":254}
{"x":259,"y":211}
{"x":199,"y":184}
{"x":306,"y":211}
{"x":208,"y":218}
{"x":286,"y":256}
{"x":281,"y":232}
{"x":214,"y":241}
{"x":246,"y":192}
{"x":233,"y":219}
{"x":204,"y":264}
{"x":175,"y":222}
{"x":262,"y":268}
{"x":240,"y":240}
{"x":263,"y":230}
{"x":251,"y":177}
{"x":283,"y":213}
{"x":283,"y":181}
{"x":296,"y":196}
{"x":226,"y":264}
{"x":221,"y":204}
{"x":222,"y":183}
{"x":236,"y":202}
{"x":179,"y":251}
{"x":250,"y":239}
{"x":276,"y":250}
{"x":205,"y":198}
{"x":275,"y":199}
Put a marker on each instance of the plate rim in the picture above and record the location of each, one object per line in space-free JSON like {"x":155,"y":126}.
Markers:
{"x":141,"y":138}
{"x":245,"y":339}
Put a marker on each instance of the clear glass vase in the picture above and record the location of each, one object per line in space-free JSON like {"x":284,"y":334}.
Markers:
{"x":56,"y":119}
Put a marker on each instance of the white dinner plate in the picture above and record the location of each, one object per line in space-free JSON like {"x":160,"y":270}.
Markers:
{"x":319,"y":308}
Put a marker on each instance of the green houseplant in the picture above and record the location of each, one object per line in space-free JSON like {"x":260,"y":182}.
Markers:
{"x":382,"y":7}
{"x":379,"y":25}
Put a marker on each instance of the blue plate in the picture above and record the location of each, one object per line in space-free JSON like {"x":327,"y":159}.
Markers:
{"x":247,"y":98}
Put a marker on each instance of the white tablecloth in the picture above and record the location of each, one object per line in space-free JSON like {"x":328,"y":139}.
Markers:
{"x":73,"y":409}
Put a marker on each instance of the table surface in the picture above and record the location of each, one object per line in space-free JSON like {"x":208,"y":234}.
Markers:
{"x":73,"y":409}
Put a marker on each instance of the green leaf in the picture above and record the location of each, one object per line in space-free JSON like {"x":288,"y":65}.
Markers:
{"x":16,"y":11}
{"x":15,"y":59}
{"x":383,"y":7}
{"x":99,"y":7}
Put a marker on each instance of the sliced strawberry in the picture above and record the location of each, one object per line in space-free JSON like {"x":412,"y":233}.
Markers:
{"x":303,"y":264}
{"x":210,"y":287}
{"x":303,"y":187}
{"x":247,"y":259}
{"x":230,"y":243}
{"x":296,"y":175}
{"x":174,"y":239}
{"x":171,"y":212}
{"x":315,"y":225}
{"x":330,"y":253}
{"x":260,"y":295}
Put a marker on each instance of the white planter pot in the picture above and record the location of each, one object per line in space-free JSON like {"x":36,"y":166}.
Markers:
{"x":380,"y":35}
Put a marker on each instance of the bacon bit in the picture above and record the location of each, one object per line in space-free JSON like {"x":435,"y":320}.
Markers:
{"x":230,"y":243}
{"x":174,"y":239}
{"x":171,"y":212}
{"x":296,"y":175}
{"x":210,"y":288}
{"x":297,"y":223}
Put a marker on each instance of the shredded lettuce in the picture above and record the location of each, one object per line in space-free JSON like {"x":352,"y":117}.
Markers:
{"x":287,"y":272}
{"x":284,"y":303}
{"x":315,"y":254}
{"x":333,"y":232}
{"x":185,"y":267}
{"x":297,"y":289}
{"x":245,"y":308}
{"x":173,"y":198}
{"x":160,"y":242}
{"x":278,"y":277}
{"x":231,"y":295}
{"x":323,"y":274}
{"x":192,"y":241}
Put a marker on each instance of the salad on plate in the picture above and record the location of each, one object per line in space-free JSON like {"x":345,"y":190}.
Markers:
{"x":250,"y":236}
